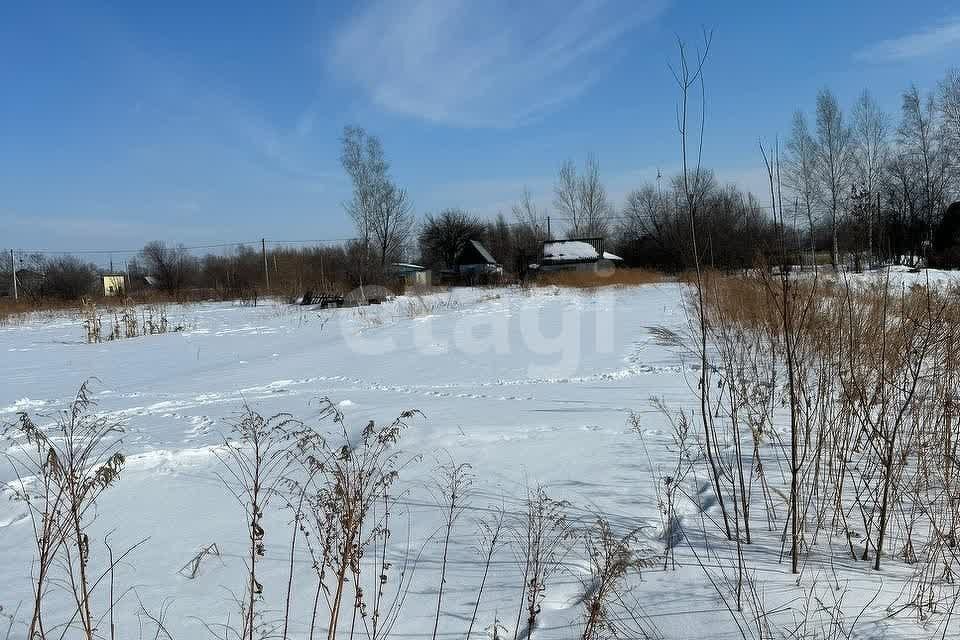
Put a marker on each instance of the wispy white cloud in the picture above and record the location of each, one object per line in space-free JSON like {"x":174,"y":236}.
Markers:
{"x":938,"y":38}
{"x":481,"y":64}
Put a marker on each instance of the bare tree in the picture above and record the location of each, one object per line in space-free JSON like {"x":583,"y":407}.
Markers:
{"x":392,"y":222}
{"x":870,"y":151}
{"x":593,"y":200}
{"x":901,"y":191}
{"x":800,"y":174}
{"x":528,"y":214}
{"x":501,"y":241}
{"x":445,"y":235}
{"x":379,"y":208}
{"x":566,"y":197}
{"x":949,"y":104}
{"x":688,"y":74}
{"x":531,"y":228}
{"x":870,"y":141}
{"x":648,"y":213}
{"x":362,"y":159}
{"x":170,"y":266}
{"x":69,"y":278}
{"x":643,"y":211}
{"x":834,"y":156}
{"x":922,"y":142}
{"x":582,"y":199}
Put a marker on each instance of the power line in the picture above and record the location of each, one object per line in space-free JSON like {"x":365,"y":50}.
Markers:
{"x":219,"y":245}
{"x":326,"y":241}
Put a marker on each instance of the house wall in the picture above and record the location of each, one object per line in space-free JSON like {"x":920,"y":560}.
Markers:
{"x":418,"y":278}
{"x":596,"y":266}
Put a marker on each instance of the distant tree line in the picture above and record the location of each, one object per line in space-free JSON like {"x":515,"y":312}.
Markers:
{"x":863,"y":188}
{"x":876,"y":187}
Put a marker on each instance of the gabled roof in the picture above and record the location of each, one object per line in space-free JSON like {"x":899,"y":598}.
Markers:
{"x":406,"y":267}
{"x":482,"y":250}
{"x":475,"y":253}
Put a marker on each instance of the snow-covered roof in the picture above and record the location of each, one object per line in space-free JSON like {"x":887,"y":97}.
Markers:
{"x":611,"y":256}
{"x":407,"y":266}
{"x":569,"y":250}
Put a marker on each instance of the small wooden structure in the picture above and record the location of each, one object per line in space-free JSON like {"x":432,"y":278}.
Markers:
{"x":413,"y":275}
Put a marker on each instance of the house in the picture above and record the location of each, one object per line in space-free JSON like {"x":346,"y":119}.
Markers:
{"x":576,"y":254}
{"x":114,"y":284}
{"x":413,"y":275}
{"x":474,"y":260}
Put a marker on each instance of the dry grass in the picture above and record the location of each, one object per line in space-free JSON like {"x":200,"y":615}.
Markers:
{"x":14,"y":312}
{"x":590,"y":280}
{"x":868,"y":373}
{"x":125,"y":321}
{"x":418,"y":306}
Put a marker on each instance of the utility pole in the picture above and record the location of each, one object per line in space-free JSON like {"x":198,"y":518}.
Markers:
{"x":549,"y":235}
{"x":13,"y":264}
{"x":266,"y":270}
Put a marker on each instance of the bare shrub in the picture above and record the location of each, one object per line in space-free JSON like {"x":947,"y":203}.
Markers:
{"x":128,"y":321}
{"x":611,"y":558}
{"x":256,"y":460}
{"x":348,"y":505}
{"x":867,"y":372}
{"x":541,"y":542}
{"x":60,"y":475}
{"x":419,"y":306}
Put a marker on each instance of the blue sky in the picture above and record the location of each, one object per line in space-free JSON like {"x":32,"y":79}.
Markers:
{"x":206,"y":122}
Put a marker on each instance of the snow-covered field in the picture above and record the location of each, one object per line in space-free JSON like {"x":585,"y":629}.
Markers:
{"x":527,"y":386}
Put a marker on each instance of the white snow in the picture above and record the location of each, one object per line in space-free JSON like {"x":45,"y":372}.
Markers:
{"x":569,"y":250}
{"x":528,"y":386}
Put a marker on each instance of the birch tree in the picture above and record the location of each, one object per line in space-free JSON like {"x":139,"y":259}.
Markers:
{"x":380,"y":210}
{"x":922,"y":143}
{"x":949,"y":106}
{"x":871,"y":149}
{"x":800,"y":174}
{"x":871,"y":144}
{"x":833,"y":162}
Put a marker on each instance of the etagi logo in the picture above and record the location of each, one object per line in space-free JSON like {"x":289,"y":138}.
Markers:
{"x":544,"y":332}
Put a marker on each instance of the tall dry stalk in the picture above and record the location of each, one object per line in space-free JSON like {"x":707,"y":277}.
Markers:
{"x":61,"y":474}
{"x":541,"y":541}
{"x":350,"y":478}
{"x":453,"y":486}
{"x":687,"y":75}
{"x":491,"y":531}
{"x":611,"y":558}
{"x":256,"y":460}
